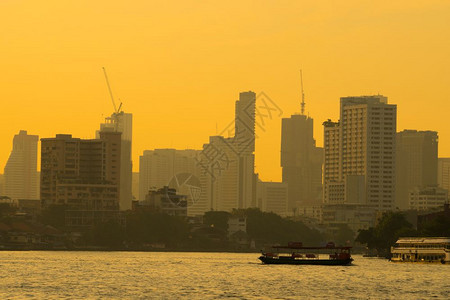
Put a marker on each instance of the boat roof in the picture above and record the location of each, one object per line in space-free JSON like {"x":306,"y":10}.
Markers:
{"x":423,"y":240}
{"x":311,"y":248}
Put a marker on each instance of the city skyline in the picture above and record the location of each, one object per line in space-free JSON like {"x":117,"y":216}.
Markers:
{"x":160,"y":68}
{"x":196,"y":149}
{"x":263,"y":131}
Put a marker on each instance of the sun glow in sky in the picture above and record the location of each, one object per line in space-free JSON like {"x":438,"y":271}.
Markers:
{"x":178,"y":66}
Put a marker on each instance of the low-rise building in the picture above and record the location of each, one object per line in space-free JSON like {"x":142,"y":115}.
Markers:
{"x":427,"y":198}
{"x":313,"y":212}
{"x":164,"y":200}
{"x":356,"y":216}
{"x":236,"y":224}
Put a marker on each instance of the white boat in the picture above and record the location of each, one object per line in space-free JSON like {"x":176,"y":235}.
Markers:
{"x":421,"y":249}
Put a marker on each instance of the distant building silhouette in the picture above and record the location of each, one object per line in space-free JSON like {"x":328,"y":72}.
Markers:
{"x":158,"y":167}
{"x":355,"y":216}
{"x":272,"y":197}
{"x":227,"y":164}
{"x":443,"y":177}
{"x":21,"y":176}
{"x":416,"y":163}
{"x":123,"y":122}
{"x":361,"y":145}
{"x":301,"y":161}
{"x":164,"y":200}
{"x":427,"y":198}
{"x":82,"y":175}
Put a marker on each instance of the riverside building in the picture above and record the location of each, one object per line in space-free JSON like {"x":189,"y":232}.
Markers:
{"x":83,"y":175}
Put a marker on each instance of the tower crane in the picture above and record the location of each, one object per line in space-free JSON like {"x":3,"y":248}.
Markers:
{"x":116,"y":110}
{"x":303,"y":94}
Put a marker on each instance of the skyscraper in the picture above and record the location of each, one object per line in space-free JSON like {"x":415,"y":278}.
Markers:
{"x":366,"y":141}
{"x":244,"y":148}
{"x":416,"y":163}
{"x":301,"y":161}
{"x":227,"y":164}
{"x":21,"y":177}
{"x":123,"y":122}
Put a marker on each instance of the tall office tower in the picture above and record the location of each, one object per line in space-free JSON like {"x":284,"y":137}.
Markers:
{"x":416,"y":163}
{"x":331,"y":150}
{"x":123,"y":122}
{"x":157,"y":168}
{"x":21,"y":181}
{"x":301,"y":161}
{"x":227,"y":165}
{"x":83,"y":175}
{"x":366,"y":141}
{"x":443,"y":177}
{"x":244,"y":143}
{"x":333,"y":190}
{"x":244,"y":133}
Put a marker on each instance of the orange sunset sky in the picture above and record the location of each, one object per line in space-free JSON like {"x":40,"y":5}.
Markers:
{"x":178,"y":66}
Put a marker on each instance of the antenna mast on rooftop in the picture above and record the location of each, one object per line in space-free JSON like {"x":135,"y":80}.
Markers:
{"x":303,"y":94}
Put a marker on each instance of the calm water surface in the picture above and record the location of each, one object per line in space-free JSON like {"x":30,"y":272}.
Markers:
{"x":136,"y":275}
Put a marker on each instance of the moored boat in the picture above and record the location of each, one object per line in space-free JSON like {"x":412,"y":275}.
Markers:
{"x":421,"y":249}
{"x":295,"y":254}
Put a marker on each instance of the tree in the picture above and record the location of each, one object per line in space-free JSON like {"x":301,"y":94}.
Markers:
{"x":109,"y":234}
{"x":439,"y":226}
{"x":219,"y":219}
{"x":344,"y":235}
{"x":152,"y":227}
{"x":391,"y":226}
{"x":270,"y":228}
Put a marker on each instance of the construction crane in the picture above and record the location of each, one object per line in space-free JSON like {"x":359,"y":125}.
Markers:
{"x":116,"y":110}
{"x":303,"y":94}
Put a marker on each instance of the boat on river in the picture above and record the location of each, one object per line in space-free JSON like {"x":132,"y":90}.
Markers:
{"x":296,"y":254}
{"x":422,"y":249}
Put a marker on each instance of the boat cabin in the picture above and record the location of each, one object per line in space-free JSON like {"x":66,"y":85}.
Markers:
{"x":421,"y":249}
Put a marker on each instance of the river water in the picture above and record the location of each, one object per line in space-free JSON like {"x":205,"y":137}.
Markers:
{"x":173,"y":275}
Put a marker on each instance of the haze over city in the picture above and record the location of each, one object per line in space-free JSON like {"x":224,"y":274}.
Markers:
{"x":194,"y":149}
{"x":179,"y":66}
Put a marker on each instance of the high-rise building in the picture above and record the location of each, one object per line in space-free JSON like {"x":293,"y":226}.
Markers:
{"x":416,"y":163}
{"x":332,"y":151}
{"x":272,"y":197}
{"x":82,"y":175}
{"x":123,"y":122}
{"x":301,"y":161}
{"x":443,"y":177}
{"x":227,"y":165}
{"x":21,"y":176}
{"x":363,"y":144}
{"x":157,"y":168}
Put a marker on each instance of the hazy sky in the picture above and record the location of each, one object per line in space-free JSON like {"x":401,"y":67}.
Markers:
{"x":178,"y":66}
